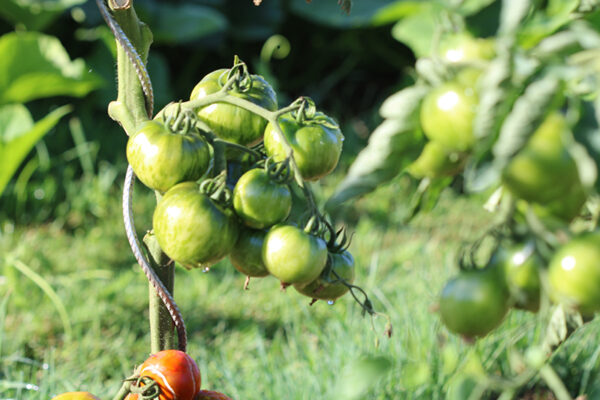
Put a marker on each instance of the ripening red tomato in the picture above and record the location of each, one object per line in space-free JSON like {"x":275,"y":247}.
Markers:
{"x":175,"y":372}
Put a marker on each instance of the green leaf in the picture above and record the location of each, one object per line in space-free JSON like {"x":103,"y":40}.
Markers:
{"x":18,"y":135}
{"x":34,"y":66}
{"x":361,"y":376}
{"x":392,"y":146}
{"x":545,"y":22}
{"x":528,"y":112}
{"x":417,"y":30}
{"x":512,"y":15}
{"x":364,"y":13}
{"x":587,"y":135}
{"x":35,"y":14}
{"x":181,"y":23}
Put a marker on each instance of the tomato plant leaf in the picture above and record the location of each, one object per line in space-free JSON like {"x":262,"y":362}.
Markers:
{"x":364,"y":12}
{"x":35,"y":15}
{"x":392,"y":146}
{"x":34,"y":66}
{"x":181,"y":23}
{"x":417,"y":30}
{"x":587,"y":135}
{"x":18,"y":135}
{"x":527,"y":113}
{"x":512,"y":15}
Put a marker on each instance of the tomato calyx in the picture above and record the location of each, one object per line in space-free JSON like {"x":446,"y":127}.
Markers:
{"x":279,"y":172}
{"x":216,"y":189}
{"x":236,"y":78}
{"x":144,"y":386}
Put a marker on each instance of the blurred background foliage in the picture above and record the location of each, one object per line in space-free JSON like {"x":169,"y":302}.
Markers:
{"x":57,"y":53}
{"x":347,"y":63}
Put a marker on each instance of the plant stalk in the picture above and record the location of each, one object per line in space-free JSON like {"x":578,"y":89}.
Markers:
{"x":161,"y":324}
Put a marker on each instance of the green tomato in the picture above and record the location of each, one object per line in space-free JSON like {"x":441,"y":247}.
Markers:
{"x":230,"y":122}
{"x":473,"y":303}
{"x":316,"y":144}
{"x":521,"y":266}
{"x":574,"y":273}
{"x":246,"y":255}
{"x":543,"y":170}
{"x":161,"y":158}
{"x":191,"y":229}
{"x":565,"y":208}
{"x":328,"y":286}
{"x":292,"y":255}
{"x":447,"y":114}
{"x":259,"y":201}
{"x":464,"y":48}
{"x":435,"y":162}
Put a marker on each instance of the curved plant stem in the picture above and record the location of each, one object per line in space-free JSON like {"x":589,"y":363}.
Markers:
{"x":158,"y":285}
{"x":133,"y":106}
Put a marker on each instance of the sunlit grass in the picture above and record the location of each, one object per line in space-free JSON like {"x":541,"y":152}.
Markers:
{"x":261,"y":343}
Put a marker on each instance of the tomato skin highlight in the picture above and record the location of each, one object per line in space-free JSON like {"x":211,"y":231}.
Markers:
{"x":259,"y":201}
{"x":474,"y":302}
{"x":161,"y":158}
{"x":574,"y":273}
{"x":246,"y":255}
{"x":435,"y":162}
{"x":464,"y":48}
{"x":292,"y":255}
{"x":327,"y":285}
{"x":447,"y":115}
{"x":191,"y":228}
{"x":75,"y":396}
{"x":230,"y":122}
{"x":316,"y":144}
{"x":521,"y":267}
{"x":543,"y":171}
{"x":176,"y":373}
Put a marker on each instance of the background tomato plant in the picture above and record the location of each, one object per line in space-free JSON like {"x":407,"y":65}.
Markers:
{"x":61,"y":226}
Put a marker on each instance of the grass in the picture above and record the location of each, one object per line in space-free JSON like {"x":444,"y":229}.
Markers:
{"x":263,"y":343}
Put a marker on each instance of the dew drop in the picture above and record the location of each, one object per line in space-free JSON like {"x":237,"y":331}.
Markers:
{"x":206,"y":269}
{"x":330,"y":302}
{"x":45,"y":366}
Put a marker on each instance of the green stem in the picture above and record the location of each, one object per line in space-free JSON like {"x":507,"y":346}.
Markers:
{"x":240,"y":147}
{"x":123,"y":391}
{"x":555,"y":383}
{"x":161,"y":325}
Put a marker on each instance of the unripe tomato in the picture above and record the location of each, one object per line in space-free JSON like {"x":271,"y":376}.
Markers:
{"x":328,"y":286}
{"x":292,"y":255}
{"x":435,"y":162}
{"x":521,"y":266}
{"x":161,"y":158}
{"x":191,"y":228}
{"x":230,"y":122}
{"x":246,"y":255}
{"x":316,"y":144}
{"x":211,"y":395}
{"x":447,"y":114}
{"x":574,"y":273}
{"x":464,"y":48}
{"x":565,"y":208}
{"x":75,"y":396}
{"x":543,"y":170}
{"x":175,"y":372}
{"x":474,"y":303}
{"x":259,"y":201}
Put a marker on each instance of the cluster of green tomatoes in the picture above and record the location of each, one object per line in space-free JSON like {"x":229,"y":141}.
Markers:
{"x":543,"y":181}
{"x":227,"y":169}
